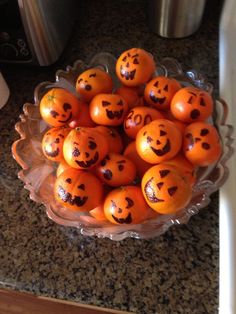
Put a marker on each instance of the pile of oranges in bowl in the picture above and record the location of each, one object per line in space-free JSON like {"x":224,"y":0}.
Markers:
{"x":130,"y":154}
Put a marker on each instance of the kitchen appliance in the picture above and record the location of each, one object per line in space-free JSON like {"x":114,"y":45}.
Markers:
{"x":35,"y":32}
{"x":175,"y":18}
{"x":4,"y":91}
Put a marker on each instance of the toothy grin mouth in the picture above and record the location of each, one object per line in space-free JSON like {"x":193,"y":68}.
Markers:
{"x":128,"y":75}
{"x":157,"y":100}
{"x":67,"y":120}
{"x":114,"y":114}
{"x":88,"y":163}
{"x":150,"y":193}
{"x":67,"y":198}
{"x":55,"y":153}
{"x":163,"y":151}
{"x":126,"y":220}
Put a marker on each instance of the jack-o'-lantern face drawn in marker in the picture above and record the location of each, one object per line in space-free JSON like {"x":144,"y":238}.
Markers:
{"x":93,"y":82}
{"x":160,"y":91}
{"x":135,"y":67}
{"x":84,"y":147}
{"x":125,"y":205}
{"x":116,"y":170}
{"x":158,"y":141}
{"x":138,"y":117}
{"x":165,"y":189}
{"x":52,"y":143}
{"x":191,"y":104}
{"x":108,"y":109}
{"x":201,"y":145}
{"x":74,"y":189}
{"x":58,"y":107}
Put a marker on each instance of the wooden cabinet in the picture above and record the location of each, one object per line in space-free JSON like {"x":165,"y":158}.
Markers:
{"x":12,"y":302}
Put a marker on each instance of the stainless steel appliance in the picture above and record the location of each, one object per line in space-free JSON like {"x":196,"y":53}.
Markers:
{"x":175,"y":18}
{"x":35,"y":31}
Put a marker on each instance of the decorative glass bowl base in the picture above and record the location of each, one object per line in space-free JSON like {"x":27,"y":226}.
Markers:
{"x":39,"y":174}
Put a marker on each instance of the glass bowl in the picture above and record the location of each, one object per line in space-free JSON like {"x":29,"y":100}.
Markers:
{"x":38,"y":173}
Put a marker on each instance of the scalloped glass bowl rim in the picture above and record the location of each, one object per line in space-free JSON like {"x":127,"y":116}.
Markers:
{"x":151,"y":228}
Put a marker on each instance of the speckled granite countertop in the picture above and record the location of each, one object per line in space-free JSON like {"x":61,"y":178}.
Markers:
{"x":175,"y":273}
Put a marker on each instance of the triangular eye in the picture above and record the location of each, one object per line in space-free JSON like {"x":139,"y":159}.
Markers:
{"x":162,"y":133}
{"x":81,"y":187}
{"x":105,"y":103}
{"x":172,"y":190}
{"x":164,"y":173}
{"x":68,"y":180}
{"x":160,"y":185}
{"x":135,"y":61}
{"x":92,"y":75}
{"x":124,"y":59}
{"x":120,"y":103}
{"x":130,"y":202}
{"x":166,"y":88}
{"x":156,"y":84}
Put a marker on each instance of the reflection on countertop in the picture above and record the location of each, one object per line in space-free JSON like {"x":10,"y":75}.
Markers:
{"x":175,"y":273}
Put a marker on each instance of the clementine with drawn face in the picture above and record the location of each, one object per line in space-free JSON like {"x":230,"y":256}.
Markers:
{"x":125,"y":205}
{"x":160,"y":91}
{"x":92,"y":82}
{"x":201,"y":145}
{"x":165,"y":189}
{"x":158,"y":141}
{"x":135,"y":67}
{"x":116,"y":170}
{"x":191,"y":104}
{"x":84,"y":148}
{"x":108,"y":109}
{"x":58,"y":107}
{"x":74,"y":189}
{"x":52,"y":143}
{"x":138,"y":117}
